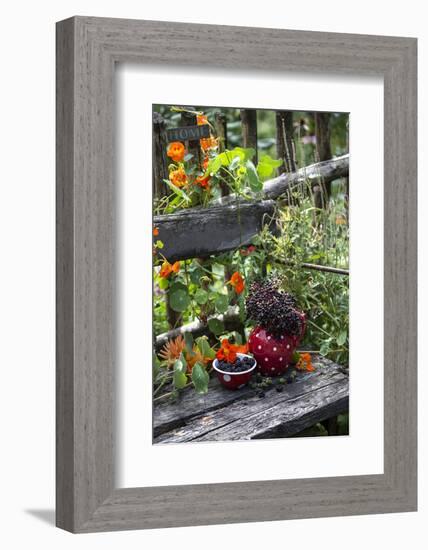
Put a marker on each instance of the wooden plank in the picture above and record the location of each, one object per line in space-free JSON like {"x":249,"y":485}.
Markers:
{"x":168,"y":416}
{"x":286,"y":418}
{"x":200,"y":232}
{"x":299,"y":406}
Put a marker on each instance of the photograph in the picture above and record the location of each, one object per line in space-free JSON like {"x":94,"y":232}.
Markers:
{"x":250,"y":274}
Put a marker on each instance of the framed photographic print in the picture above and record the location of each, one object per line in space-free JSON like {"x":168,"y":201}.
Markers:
{"x":236,"y":274}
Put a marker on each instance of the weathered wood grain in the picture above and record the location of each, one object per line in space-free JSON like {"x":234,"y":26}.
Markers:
{"x":225,"y":415}
{"x":189,"y":404}
{"x":200,"y":232}
{"x":325,"y":171}
{"x":286,"y":417}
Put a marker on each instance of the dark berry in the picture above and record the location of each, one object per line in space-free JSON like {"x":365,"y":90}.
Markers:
{"x":273,"y":309}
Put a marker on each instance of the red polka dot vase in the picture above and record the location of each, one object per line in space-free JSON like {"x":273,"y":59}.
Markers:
{"x":273,"y":355}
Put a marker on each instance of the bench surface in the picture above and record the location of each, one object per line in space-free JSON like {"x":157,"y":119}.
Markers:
{"x":226,"y":415}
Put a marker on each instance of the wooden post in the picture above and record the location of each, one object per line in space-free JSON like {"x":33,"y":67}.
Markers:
{"x":284,"y":141}
{"x":249,"y":129}
{"x":160,"y":160}
{"x":221,"y":129}
{"x":322,"y":132}
{"x":189,"y":119}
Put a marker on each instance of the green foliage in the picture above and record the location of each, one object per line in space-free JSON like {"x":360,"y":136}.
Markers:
{"x":216,"y":326}
{"x":179,"y":377}
{"x":222,"y":303}
{"x":267,"y":166}
{"x":200,"y":378}
{"x":201,"y":290}
{"x":179,"y":300}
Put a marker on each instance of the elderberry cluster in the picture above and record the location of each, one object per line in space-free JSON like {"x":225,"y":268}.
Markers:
{"x":272,"y":309}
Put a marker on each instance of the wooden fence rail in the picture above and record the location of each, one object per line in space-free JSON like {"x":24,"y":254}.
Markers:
{"x":324,"y":172}
{"x":200,"y":232}
{"x":227,"y":224}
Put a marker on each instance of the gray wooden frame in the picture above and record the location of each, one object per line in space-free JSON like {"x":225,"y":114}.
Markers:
{"x":87,"y":50}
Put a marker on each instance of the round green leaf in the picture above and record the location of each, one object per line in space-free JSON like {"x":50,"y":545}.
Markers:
{"x":221,"y":303}
{"x":200,"y":378}
{"x":196,"y":275}
{"x":179,"y":300}
{"x":201,"y":296}
{"x":177,"y":285}
{"x":253,"y":177}
{"x":216,"y":326}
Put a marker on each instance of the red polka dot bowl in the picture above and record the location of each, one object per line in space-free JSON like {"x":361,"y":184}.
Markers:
{"x":234,"y":380}
{"x":273,"y":355}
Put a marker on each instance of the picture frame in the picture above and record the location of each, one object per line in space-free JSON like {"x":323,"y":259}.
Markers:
{"x":87,"y":51}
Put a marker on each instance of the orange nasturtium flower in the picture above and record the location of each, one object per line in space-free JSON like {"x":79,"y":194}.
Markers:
{"x":155,"y":231}
{"x":205,"y":162}
{"x":203,"y":181}
{"x":176,"y":151}
{"x":305,"y":362}
{"x":228,"y":351}
{"x":167,"y":269}
{"x":201,"y":119}
{"x":178,"y":177}
{"x":237,"y":281}
{"x":208,"y":143}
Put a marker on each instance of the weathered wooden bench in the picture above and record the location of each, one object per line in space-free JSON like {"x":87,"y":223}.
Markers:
{"x":225,"y":415}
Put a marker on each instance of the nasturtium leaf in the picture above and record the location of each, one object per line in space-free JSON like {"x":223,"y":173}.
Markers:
{"x":221,"y":303}
{"x":188,"y":340}
{"x":177,"y":285}
{"x":253,"y":178}
{"x":204,"y":347}
{"x":267,"y":166}
{"x":216,"y":326}
{"x":325,"y":348}
{"x":200,"y":378}
{"x":244,"y":153}
{"x":179,"y":375}
{"x":227,"y":157}
{"x":195,"y":275}
{"x":238,"y":338}
{"x":163,"y":283}
{"x":235,"y":163}
{"x":179,"y":379}
{"x":179,"y":300}
{"x":177,"y":191}
{"x":341,"y":339}
{"x":201,"y":296}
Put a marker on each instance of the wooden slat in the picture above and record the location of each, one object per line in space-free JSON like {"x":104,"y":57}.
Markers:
{"x":186,"y":418}
{"x":259,"y":419}
{"x":200,"y":232}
